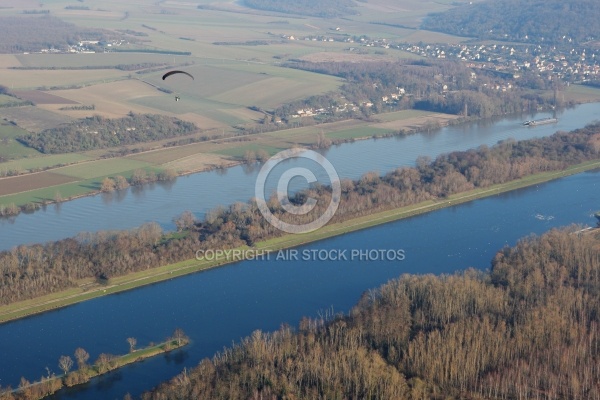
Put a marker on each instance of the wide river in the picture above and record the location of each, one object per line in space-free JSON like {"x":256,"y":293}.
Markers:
{"x":218,"y":307}
{"x":204,"y":191}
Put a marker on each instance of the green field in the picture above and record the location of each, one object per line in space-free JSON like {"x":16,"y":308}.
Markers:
{"x":68,"y":190}
{"x":101,"y":168}
{"x":5,"y":100}
{"x":239,"y":151}
{"x":10,"y":148}
{"x":42,"y":161}
{"x":401,"y":115}
{"x":357,"y":133}
{"x":582,"y":93}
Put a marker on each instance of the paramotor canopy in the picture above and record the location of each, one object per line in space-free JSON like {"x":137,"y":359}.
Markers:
{"x":165,"y":76}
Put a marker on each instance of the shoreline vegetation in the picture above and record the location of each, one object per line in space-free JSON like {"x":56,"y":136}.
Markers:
{"x":358,"y":210}
{"x":85,"y":372}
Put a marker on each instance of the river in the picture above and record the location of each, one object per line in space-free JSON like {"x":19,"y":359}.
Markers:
{"x":204,"y":191}
{"x":222,"y":305}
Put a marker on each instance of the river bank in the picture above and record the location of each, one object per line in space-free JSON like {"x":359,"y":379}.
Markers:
{"x":89,"y":289}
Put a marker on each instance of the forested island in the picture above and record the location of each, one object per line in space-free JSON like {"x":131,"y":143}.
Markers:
{"x":526,"y":329}
{"x":35,"y":270}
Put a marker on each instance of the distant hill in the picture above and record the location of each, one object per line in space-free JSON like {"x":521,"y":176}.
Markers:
{"x":536,"y":21}
{"x":315,"y":8}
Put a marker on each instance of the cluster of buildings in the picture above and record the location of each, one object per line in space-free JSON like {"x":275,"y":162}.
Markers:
{"x":573,"y":65}
{"x":91,"y":46}
{"x":569,"y":62}
{"x":86,"y":46}
{"x":346,"y":107}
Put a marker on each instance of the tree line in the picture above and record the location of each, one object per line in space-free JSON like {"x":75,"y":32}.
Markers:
{"x":35,"y":270}
{"x":316,"y":8}
{"x":122,"y":67}
{"x":98,"y":132}
{"x":526,"y":329}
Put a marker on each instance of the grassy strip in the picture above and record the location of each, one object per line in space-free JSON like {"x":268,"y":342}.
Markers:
{"x":133,"y":280}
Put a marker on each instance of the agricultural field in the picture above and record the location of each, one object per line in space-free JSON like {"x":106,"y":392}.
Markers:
{"x":8,"y":101}
{"x":37,"y":161}
{"x":11,"y":149}
{"x":238,"y":151}
{"x":32,"y":119}
{"x":17,"y":79}
{"x":233,"y":52}
{"x":101,"y":168}
{"x":581,"y":93}
{"x":357,"y":133}
{"x":412,"y":120}
{"x":32,"y":181}
{"x":199,"y":162}
{"x":38,"y":97}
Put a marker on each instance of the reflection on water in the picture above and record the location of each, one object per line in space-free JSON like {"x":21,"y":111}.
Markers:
{"x":161,"y":201}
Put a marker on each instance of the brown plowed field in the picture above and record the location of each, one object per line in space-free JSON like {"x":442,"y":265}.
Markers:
{"x":17,"y":184}
{"x":39,"y":97}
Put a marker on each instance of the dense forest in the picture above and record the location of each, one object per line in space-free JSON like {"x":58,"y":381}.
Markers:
{"x":442,"y":86}
{"x":35,"y":270}
{"x":316,"y":8}
{"x":98,"y":133}
{"x":528,"y":329}
{"x":548,"y":21}
{"x":32,"y":33}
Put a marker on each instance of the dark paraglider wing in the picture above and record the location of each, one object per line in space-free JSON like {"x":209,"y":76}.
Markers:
{"x":165,"y":76}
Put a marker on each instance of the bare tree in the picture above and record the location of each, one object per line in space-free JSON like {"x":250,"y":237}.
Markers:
{"x":132,"y":342}
{"x":185,"y":221}
{"x":82,"y":357}
{"x":121,"y":182}
{"x":65,"y":363}
{"x":262,"y":155}
{"x":249,"y":156}
{"x":108,"y":185}
{"x":105,"y":362}
{"x":179,"y":336}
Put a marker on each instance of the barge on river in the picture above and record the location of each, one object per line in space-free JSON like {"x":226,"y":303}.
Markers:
{"x":544,"y":121}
